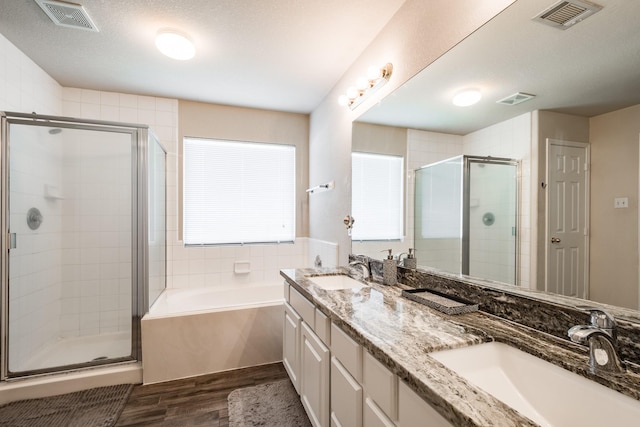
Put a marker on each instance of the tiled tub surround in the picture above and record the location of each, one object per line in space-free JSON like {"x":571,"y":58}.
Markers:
{"x":401,"y":333}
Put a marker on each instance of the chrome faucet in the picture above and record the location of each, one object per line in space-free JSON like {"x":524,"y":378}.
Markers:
{"x":366,"y":271}
{"x":601,"y":335}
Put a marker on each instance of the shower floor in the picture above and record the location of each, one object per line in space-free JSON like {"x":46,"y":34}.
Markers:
{"x":70,"y":351}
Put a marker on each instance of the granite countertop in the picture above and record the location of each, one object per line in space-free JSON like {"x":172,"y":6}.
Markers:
{"x":401,"y":333}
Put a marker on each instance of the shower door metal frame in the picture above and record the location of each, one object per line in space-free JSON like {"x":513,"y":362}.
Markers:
{"x":466,"y":224}
{"x":139,"y":252}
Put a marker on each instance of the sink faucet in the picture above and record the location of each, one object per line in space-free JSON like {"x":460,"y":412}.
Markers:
{"x":366,"y":271}
{"x":601,"y":335}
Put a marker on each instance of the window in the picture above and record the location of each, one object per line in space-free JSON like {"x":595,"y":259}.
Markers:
{"x":376,"y":196}
{"x":238,"y":192}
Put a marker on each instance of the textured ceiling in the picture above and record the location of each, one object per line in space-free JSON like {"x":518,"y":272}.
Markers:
{"x":277,"y":54}
{"x":588,"y":69}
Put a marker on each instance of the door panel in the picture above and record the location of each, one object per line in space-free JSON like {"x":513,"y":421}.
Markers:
{"x":567,"y":201}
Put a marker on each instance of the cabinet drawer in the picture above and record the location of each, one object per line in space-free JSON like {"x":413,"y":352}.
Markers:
{"x":303,"y":306}
{"x":381,"y":385}
{"x":322,"y":328}
{"x":347,"y":351}
{"x":286,"y":291}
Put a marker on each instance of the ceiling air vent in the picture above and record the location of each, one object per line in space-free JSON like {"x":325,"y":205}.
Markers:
{"x":68,"y":15}
{"x":516,"y":98}
{"x":565,"y":14}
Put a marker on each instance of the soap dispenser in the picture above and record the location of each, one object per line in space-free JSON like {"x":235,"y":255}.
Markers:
{"x":410,"y":261}
{"x":389,"y":270}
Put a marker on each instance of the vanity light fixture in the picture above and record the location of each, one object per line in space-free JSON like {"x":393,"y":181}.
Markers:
{"x":467,"y":97}
{"x":175,"y":45}
{"x":365,"y":86}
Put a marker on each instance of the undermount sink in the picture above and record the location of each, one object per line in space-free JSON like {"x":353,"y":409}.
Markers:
{"x":539,"y":390}
{"x":336,"y":281}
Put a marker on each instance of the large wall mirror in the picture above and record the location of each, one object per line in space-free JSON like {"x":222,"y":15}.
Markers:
{"x":576,"y":141}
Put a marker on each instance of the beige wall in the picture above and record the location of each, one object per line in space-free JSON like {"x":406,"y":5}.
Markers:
{"x":614,"y":232}
{"x":420,"y":32}
{"x":197,"y":119}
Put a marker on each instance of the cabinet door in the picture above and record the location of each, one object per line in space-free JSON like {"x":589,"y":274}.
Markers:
{"x":413,"y":411}
{"x":291,"y":345}
{"x":374,"y":416}
{"x":314,"y":391}
{"x":346,"y":397}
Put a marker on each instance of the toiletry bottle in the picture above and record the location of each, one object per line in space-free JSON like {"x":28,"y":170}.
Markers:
{"x":410,"y":261}
{"x":389,"y":270}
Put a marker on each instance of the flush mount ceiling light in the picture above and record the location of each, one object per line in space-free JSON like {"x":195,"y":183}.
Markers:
{"x":365,"y":86}
{"x":175,"y":45}
{"x":467,"y":97}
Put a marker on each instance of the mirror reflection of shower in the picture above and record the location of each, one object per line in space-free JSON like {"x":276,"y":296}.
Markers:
{"x":466,"y":217}
{"x":80,"y":196}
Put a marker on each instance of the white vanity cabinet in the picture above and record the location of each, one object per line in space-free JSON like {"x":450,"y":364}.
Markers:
{"x":306,"y":356}
{"x":291,"y":345}
{"x":314,"y":390}
{"x":346,"y":376}
{"x":381,"y":393}
{"x":413,"y":411}
{"x":344,"y":386}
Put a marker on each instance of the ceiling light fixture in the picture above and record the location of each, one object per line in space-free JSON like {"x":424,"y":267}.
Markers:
{"x":467,"y":97}
{"x":365,"y":86}
{"x":175,"y":45}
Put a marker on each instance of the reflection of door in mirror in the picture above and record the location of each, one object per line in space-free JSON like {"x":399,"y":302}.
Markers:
{"x":567,"y":207}
{"x":466,"y":216}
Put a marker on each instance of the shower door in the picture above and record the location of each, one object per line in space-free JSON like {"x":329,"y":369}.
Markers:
{"x":466,"y":211}
{"x":70,"y":297}
{"x":491,"y":208}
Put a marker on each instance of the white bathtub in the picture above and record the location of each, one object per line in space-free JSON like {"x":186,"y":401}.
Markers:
{"x":186,"y":301}
{"x":190,"y":332}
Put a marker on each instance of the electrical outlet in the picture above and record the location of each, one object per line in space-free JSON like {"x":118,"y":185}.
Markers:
{"x":621,"y":202}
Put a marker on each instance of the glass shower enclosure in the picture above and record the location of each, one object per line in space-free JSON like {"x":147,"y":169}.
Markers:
{"x":84,"y":250}
{"x":466,"y":212}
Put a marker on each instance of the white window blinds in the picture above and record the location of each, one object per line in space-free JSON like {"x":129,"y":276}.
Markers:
{"x":377,"y":196}
{"x":238,"y":192}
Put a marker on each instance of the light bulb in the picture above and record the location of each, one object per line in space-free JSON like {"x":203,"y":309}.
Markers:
{"x":175,"y":45}
{"x":343,"y":100}
{"x":362,"y":83}
{"x":374,"y":73}
{"x":352,"y":92}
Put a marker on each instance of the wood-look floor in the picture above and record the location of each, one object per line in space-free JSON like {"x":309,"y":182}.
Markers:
{"x":198,"y":401}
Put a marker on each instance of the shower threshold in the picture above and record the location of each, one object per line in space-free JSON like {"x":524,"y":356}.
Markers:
{"x":78,"y":350}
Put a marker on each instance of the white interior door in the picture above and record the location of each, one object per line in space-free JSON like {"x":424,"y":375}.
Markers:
{"x":567,"y":218}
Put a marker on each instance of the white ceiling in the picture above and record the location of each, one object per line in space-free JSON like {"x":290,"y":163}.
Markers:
{"x":589,"y":69}
{"x":275,"y":54}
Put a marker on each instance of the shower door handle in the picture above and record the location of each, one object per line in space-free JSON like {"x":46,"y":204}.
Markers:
{"x":11,"y":240}
{"x":555,"y":240}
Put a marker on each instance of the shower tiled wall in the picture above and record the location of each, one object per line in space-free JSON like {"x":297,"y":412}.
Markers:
{"x":97,"y":234}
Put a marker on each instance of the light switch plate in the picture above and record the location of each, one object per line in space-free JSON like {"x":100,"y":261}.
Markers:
{"x":621,"y":202}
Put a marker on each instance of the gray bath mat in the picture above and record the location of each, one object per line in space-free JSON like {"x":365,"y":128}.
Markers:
{"x":272,"y":404}
{"x":97,"y":407}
